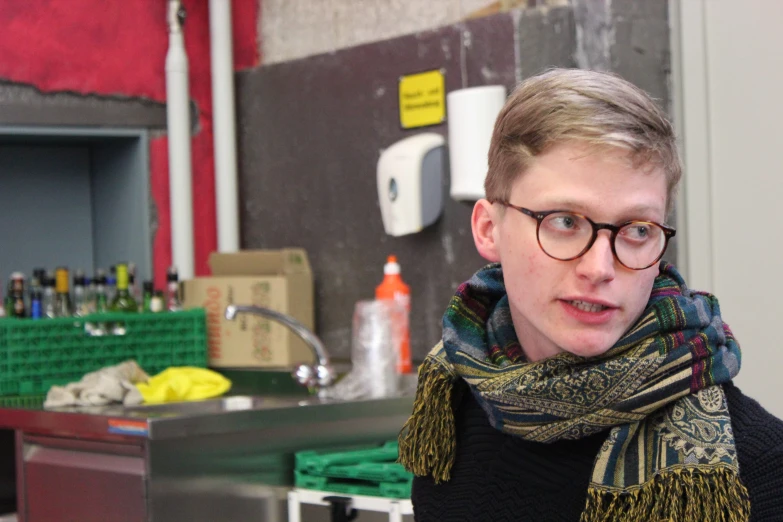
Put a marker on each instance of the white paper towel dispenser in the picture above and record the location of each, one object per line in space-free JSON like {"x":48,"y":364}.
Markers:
{"x":410,"y":183}
{"x":471,"y":118}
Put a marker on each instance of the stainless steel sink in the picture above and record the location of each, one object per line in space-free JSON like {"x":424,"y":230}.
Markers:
{"x":279,"y":416}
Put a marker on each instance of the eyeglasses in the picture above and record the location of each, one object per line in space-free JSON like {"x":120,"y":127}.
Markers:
{"x":565,"y":235}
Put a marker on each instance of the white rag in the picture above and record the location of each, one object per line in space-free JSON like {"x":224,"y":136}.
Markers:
{"x":113,"y":384}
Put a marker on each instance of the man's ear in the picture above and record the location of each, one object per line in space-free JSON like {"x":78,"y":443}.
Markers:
{"x":483,"y":222}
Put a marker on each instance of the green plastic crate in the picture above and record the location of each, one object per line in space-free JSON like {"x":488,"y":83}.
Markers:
{"x":372,"y":471}
{"x":274,"y":469}
{"x":355,"y":487}
{"x":23,"y":401}
{"x":316,"y":462}
{"x":37,"y":354}
{"x":366,"y":470}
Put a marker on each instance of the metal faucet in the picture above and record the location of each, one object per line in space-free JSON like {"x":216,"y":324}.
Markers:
{"x":318,"y":376}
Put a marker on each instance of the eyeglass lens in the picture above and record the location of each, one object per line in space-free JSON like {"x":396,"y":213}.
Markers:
{"x":564,"y":236}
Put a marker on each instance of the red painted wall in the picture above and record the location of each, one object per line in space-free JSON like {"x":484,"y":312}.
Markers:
{"x":119,"y":48}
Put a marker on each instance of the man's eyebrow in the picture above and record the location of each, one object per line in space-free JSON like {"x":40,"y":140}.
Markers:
{"x":632,"y":212}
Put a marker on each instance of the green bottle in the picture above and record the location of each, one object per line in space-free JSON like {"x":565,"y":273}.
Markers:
{"x":101,"y":306}
{"x":149,"y":291}
{"x":123,"y":301}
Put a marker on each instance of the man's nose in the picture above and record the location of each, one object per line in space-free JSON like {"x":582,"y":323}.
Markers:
{"x":597,"y":265}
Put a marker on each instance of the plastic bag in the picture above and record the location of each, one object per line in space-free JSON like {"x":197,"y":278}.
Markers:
{"x":378,"y":330}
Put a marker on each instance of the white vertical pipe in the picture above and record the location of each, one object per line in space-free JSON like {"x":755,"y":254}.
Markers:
{"x":224,"y":122}
{"x":178,"y":121}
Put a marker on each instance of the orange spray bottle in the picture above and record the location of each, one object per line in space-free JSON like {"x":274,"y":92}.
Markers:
{"x":393,"y":287}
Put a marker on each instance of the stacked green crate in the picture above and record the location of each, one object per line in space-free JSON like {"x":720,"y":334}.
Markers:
{"x":370,"y":470}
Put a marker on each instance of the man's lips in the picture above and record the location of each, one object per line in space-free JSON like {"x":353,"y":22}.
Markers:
{"x":589,"y":303}
{"x":588,"y":311}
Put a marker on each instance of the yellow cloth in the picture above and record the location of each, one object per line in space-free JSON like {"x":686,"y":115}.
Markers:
{"x":184,"y":383}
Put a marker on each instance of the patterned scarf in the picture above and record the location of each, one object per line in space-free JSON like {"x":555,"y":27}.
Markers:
{"x":669,"y":453}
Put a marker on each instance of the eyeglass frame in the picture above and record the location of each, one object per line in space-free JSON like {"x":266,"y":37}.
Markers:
{"x":613,"y":229}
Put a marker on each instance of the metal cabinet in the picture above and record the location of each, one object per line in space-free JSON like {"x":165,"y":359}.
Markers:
{"x":89,"y":481}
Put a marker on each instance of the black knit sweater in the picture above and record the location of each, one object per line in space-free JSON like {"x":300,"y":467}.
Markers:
{"x":498,"y":477}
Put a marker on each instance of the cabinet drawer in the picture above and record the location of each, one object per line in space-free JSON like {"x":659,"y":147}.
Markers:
{"x":80,"y":481}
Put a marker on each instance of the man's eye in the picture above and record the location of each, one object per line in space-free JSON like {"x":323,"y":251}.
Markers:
{"x":638,"y":232}
{"x":563,"y":222}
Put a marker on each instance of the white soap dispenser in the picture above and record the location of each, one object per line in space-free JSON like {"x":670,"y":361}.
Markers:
{"x":410,"y":183}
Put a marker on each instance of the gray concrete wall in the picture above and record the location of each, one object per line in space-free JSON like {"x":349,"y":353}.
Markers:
{"x":291,"y":29}
{"x":630,"y":37}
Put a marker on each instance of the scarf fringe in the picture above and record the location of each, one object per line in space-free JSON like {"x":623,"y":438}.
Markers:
{"x":680,"y":495}
{"x":427,"y":441}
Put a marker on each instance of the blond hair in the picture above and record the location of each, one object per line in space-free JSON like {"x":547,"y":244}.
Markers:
{"x":597,"y":108}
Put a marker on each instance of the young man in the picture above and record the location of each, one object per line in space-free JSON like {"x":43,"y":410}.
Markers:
{"x":578,"y":377}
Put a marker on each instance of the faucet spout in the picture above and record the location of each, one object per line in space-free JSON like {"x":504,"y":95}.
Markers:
{"x":318,"y":376}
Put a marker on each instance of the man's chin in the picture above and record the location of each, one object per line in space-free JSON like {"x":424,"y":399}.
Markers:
{"x":588,"y":349}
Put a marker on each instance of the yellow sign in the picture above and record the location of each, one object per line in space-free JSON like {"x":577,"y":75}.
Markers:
{"x":422,"y":99}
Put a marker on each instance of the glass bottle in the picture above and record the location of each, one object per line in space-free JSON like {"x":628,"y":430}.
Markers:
{"x":36,"y":287}
{"x":100,"y":304}
{"x":173,"y":303}
{"x":101,"y":299}
{"x":2,"y":308}
{"x":63,"y":306}
{"x":8,"y":300}
{"x":81,"y":306}
{"x":18,"y":307}
{"x":36,"y":303}
{"x":149,"y":291}
{"x":111,"y":283}
{"x":123,"y":301}
{"x":89,"y":293}
{"x":49,"y":298}
{"x":157,"y":302}
{"x":133,"y":287}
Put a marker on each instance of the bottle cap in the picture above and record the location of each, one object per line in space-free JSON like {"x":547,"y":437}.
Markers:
{"x":61,"y":280}
{"x":122,"y":276}
{"x":392,"y":267}
{"x":149,"y":287}
{"x":17,"y":283}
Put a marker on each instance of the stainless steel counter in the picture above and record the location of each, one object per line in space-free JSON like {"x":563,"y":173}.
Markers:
{"x":148,"y":461}
{"x":210,"y":417}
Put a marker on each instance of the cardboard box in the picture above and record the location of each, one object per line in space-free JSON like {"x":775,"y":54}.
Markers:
{"x":276,"y":279}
